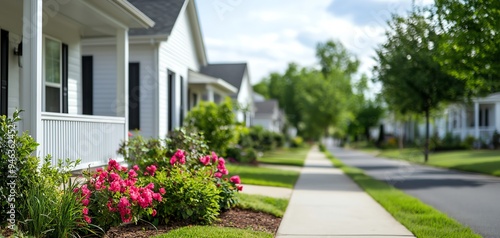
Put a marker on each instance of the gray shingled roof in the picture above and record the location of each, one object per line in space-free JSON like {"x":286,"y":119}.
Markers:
{"x":231,"y":73}
{"x":163,"y":12}
{"x":266,"y":107}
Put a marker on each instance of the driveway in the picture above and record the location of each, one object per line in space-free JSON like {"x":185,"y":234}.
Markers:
{"x":472,"y":199}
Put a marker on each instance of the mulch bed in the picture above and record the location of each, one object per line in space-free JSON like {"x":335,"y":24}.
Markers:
{"x":237,"y":218}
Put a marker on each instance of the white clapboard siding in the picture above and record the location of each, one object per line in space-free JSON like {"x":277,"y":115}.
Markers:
{"x":93,"y":139}
{"x":104,"y":60}
{"x":144,"y":55}
{"x":177,"y":54}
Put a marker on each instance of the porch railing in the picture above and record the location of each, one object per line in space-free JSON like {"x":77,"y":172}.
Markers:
{"x":93,"y":139}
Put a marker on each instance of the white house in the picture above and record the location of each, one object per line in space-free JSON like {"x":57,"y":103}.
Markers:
{"x":237,"y":75}
{"x":164,"y":61}
{"x":268,"y":115}
{"x":479,"y":119}
{"x":41,"y":73}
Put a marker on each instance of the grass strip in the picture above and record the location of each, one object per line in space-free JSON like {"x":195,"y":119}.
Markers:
{"x":285,"y":156}
{"x":213,"y":231}
{"x":269,"y":205}
{"x":264,"y":176}
{"x":421,"y":219}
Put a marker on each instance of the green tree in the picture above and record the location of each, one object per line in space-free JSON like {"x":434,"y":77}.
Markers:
{"x":333,"y":56}
{"x":470,"y":49}
{"x":412,"y":81}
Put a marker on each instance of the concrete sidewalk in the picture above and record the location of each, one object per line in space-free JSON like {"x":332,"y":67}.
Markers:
{"x":327,"y":203}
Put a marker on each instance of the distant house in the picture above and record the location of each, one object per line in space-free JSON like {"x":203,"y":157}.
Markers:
{"x":43,"y":73}
{"x":237,"y":75}
{"x":479,"y":120}
{"x":268,"y":115}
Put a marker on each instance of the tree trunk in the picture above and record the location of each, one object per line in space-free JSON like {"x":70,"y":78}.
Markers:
{"x":426,"y":135}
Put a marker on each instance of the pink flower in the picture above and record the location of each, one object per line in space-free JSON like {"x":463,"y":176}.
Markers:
{"x":218,"y":175}
{"x":205,"y":160}
{"x":135,"y":167}
{"x":154,"y":212}
{"x":113,"y":177}
{"x":112,"y":163}
{"x":85,"y":211}
{"x":130,"y":134}
{"x":87,"y":219}
{"x":115,"y":186}
{"x":162,"y":191}
{"x":173,"y":160}
{"x":224,"y":171}
{"x":157,"y":197}
{"x":150,"y":186}
{"x":151,"y":169}
{"x":123,"y":203}
{"x":214,"y":157}
{"x":132,"y":173}
{"x":235,"y":179}
{"x":76,"y":190}
{"x":239,"y":187}
{"x":85,"y":202}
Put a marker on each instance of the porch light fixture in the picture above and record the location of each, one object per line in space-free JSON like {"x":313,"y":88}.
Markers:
{"x":19,"y":52}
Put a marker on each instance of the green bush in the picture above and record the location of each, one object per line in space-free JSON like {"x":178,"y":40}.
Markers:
{"x":279,"y":139}
{"x":322,"y":147}
{"x":144,"y":152}
{"x":297,"y":142}
{"x":216,"y":122}
{"x":495,"y":140}
{"x":449,"y":142}
{"x":468,"y":142}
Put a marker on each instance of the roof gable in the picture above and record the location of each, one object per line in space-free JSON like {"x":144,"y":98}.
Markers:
{"x":163,"y":12}
{"x":231,"y":73}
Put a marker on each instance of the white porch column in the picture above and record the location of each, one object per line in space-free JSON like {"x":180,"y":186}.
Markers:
{"x":122,"y":76}
{"x":31,"y":80}
{"x":463,"y":121}
{"x":210,"y":93}
{"x":476,"y":120}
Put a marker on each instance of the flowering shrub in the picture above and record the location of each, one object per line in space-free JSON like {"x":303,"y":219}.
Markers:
{"x":179,"y":191}
{"x":115,"y":195}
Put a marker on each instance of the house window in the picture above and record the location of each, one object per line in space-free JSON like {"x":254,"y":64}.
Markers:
{"x":181,"y":116}
{"x":52,"y":75}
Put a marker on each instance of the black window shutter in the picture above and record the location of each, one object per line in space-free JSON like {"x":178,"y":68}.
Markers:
{"x":171,"y":98}
{"x":65,"y":78}
{"x":134,"y":97}
{"x":4,"y":72}
{"x":88,"y":84}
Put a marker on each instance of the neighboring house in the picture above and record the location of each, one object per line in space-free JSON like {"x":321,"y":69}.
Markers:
{"x":159,"y":64}
{"x":42,"y":72}
{"x":479,"y":120}
{"x":237,"y":75}
{"x":268,"y":115}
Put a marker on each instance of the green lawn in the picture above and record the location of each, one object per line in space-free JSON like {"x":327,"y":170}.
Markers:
{"x":270,"y":205}
{"x":264,"y":176}
{"x":480,"y":161}
{"x":285,"y":156}
{"x":421,"y":219}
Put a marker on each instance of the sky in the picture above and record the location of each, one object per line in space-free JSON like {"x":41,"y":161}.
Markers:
{"x":269,"y":34}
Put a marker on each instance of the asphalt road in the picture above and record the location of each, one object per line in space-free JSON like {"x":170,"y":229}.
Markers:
{"x":472,"y":199}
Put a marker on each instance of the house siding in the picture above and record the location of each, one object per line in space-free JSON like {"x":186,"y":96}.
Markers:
{"x":245,"y":99}
{"x":144,"y":55}
{"x":178,"y":55}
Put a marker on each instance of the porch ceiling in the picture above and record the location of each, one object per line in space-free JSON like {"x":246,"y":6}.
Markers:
{"x":95,"y":18}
